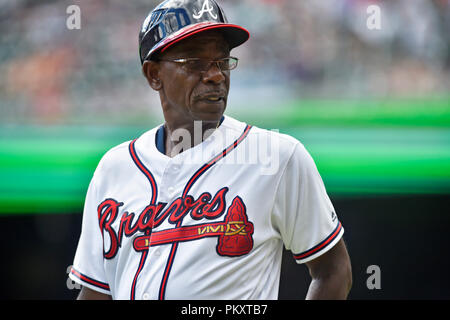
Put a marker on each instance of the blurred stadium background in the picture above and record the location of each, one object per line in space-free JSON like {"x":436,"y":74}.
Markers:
{"x":371,"y":106}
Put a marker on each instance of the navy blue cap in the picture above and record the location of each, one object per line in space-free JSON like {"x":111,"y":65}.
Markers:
{"x":175,"y":20}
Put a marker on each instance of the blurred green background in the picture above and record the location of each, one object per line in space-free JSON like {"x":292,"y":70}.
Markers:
{"x":360,"y":147}
{"x":371,"y":106}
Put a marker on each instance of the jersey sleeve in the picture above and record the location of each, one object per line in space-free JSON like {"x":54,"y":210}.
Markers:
{"x":303,"y":212}
{"x":88,"y":266}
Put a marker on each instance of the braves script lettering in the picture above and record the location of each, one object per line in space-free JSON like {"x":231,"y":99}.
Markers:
{"x":234,"y":234}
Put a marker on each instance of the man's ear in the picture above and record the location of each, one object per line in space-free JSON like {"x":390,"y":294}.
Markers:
{"x":150,"y":69}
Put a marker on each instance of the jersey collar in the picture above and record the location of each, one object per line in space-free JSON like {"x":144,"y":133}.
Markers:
{"x":160,"y":138}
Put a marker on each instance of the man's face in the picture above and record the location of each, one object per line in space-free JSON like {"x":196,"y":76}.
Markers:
{"x":191,"y":95}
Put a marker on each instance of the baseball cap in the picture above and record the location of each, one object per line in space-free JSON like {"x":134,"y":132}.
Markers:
{"x":174,"y":20}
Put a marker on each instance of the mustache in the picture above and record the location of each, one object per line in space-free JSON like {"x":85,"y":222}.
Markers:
{"x":211,"y":94}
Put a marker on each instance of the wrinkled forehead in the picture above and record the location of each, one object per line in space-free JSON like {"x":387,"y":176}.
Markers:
{"x":199,"y":43}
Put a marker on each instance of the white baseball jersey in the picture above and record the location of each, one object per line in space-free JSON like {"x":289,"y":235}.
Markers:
{"x":209,"y":223}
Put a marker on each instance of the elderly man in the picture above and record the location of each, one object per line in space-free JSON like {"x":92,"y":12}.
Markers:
{"x":180,"y":212}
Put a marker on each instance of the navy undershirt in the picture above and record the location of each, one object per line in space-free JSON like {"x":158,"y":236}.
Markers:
{"x":160,"y":137}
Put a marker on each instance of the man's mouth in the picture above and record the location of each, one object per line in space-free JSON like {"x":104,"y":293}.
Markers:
{"x":212,"y":97}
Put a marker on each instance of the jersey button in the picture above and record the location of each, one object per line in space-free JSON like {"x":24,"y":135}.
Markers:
{"x":171,"y":191}
{"x":146,"y":296}
{"x":157,"y":253}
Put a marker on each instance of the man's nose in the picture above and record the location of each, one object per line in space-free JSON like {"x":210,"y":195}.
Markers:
{"x":213,"y":74}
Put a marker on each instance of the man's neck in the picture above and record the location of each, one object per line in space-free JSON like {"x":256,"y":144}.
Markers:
{"x":181,"y":137}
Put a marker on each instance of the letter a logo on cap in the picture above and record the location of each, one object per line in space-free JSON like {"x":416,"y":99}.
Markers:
{"x":205,"y":8}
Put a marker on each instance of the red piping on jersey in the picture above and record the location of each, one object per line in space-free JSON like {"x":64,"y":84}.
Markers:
{"x":191,"y":181}
{"x":89,"y":280}
{"x":154,"y":187}
{"x":141,"y":265}
{"x":145,"y":171}
{"x":214,"y":160}
{"x":321,"y":245}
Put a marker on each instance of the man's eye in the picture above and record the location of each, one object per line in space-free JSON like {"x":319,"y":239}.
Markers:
{"x":224,"y":64}
{"x":196,"y":64}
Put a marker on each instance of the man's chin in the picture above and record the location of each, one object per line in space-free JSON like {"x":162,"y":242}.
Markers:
{"x":209,"y":115}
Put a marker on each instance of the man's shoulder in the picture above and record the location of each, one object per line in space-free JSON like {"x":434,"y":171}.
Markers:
{"x":117,"y":151}
{"x":268,"y":133}
{"x":120,"y":154}
{"x":271,"y":143}
{"x":274,"y":137}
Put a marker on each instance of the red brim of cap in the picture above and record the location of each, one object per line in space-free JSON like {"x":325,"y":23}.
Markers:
{"x":235,"y":35}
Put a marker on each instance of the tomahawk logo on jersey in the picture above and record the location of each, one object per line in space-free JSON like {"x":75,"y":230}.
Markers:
{"x":156,"y":227}
{"x":234,"y":233}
